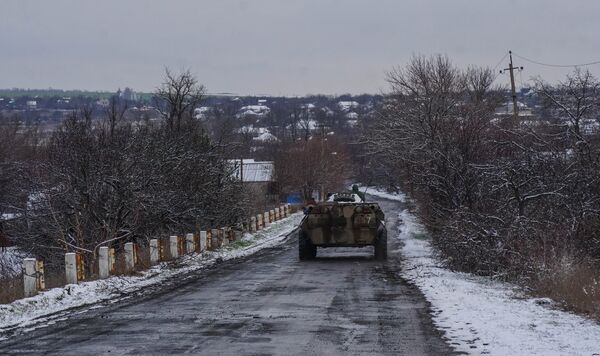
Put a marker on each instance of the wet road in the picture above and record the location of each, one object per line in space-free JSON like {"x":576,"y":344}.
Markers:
{"x":343,"y":303}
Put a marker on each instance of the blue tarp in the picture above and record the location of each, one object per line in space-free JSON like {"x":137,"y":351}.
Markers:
{"x":294,"y":198}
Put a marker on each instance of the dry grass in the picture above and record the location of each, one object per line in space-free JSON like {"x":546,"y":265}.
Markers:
{"x":574,"y":285}
{"x":55,"y":279}
{"x":11,"y":289}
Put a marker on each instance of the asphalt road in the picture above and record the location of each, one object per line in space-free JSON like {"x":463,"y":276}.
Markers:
{"x":343,"y":303}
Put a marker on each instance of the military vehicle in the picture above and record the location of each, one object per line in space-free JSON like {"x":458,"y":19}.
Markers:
{"x":344,"y":220}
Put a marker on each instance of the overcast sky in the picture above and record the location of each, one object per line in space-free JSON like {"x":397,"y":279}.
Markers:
{"x":281,"y":47}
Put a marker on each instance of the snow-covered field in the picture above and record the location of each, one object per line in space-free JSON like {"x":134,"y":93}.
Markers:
{"x":42,"y":309}
{"x":481,"y":316}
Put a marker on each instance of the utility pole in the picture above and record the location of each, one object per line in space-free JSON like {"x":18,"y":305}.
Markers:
{"x":322,"y":127}
{"x":511,"y":69}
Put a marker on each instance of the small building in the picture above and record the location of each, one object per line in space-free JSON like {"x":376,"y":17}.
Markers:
{"x":31,"y":104}
{"x":258,"y":179}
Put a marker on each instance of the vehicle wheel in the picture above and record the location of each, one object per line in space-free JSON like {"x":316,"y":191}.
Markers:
{"x":306,"y":250}
{"x":381,"y":245}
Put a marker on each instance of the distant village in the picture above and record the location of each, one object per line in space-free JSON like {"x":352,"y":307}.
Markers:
{"x":262,"y":119}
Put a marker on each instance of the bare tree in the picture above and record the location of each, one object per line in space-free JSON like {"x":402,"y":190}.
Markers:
{"x":576,"y":103}
{"x":498,"y":199}
{"x":319,"y":164}
{"x":107,"y":183}
{"x":177,"y":98}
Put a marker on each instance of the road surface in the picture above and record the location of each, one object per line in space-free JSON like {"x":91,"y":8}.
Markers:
{"x":343,"y":303}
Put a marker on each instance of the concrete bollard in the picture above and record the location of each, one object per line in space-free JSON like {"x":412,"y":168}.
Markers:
{"x":266,"y":219}
{"x":282,"y":209}
{"x":259,"y":222}
{"x":130,"y":257}
{"x":277,"y":214}
{"x":271,"y":215}
{"x":214,"y":239}
{"x":71,"y":268}
{"x":154,"y":251}
{"x":112,"y":260}
{"x":174,"y":246}
{"x":41,"y":280}
{"x":238,"y":235}
{"x":30,"y":277}
{"x":224,"y":237}
{"x":103,"y":262}
{"x":203,"y":244}
{"x":253,"y":224}
{"x":190,"y":244}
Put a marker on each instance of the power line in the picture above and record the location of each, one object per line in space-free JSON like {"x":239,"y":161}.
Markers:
{"x":556,"y":65}
{"x":499,"y":62}
{"x":496,"y":67}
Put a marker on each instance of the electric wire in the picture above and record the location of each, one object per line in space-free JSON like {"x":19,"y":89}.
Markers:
{"x":555,"y":65}
{"x":496,"y":67}
{"x":500,"y":62}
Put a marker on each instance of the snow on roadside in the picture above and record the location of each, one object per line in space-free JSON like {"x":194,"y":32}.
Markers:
{"x":481,"y":316}
{"x":401,"y":197}
{"x":32,"y":311}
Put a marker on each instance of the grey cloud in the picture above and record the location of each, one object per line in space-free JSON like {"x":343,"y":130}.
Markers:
{"x":279,"y":47}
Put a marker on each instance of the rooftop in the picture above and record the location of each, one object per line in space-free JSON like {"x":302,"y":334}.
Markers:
{"x":254,"y":171}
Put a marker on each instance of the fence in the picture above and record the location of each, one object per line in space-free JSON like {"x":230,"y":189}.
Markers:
{"x":133,"y":258}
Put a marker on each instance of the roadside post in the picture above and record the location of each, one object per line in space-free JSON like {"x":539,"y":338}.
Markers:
{"x":112,"y":260}
{"x":39,"y":273}
{"x":214,"y":239}
{"x":71,"y":267}
{"x":103,"y":262}
{"x":154,"y":251}
{"x":79,"y":266}
{"x":130,"y":256}
{"x":203,"y":244}
{"x":174,"y":246}
{"x":190,"y":244}
{"x":224,"y":237}
{"x":259,"y":222}
{"x":29,"y":277}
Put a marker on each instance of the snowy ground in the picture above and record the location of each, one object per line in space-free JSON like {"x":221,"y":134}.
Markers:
{"x":42,"y":309}
{"x":481,"y":316}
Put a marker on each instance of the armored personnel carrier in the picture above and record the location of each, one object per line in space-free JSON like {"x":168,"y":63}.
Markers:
{"x":344,"y":220}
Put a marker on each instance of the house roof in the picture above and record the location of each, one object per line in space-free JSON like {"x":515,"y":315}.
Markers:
{"x":254,"y":171}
